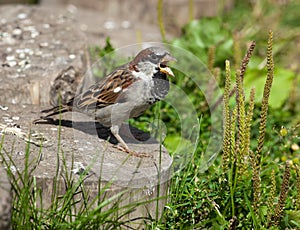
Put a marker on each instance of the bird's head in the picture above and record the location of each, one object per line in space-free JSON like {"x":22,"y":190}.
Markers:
{"x":152,"y":60}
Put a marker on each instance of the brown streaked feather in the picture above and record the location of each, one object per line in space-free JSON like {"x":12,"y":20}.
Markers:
{"x":97,"y":96}
{"x":53,"y":111}
{"x":102,"y":94}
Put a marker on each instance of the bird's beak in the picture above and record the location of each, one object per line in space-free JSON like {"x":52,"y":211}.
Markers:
{"x":167,"y":71}
{"x":163,"y":65}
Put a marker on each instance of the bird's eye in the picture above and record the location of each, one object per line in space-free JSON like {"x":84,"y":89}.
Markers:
{"x":154,"y":57}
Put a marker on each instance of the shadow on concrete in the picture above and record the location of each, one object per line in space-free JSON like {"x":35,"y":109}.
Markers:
{"x":127,"y":132}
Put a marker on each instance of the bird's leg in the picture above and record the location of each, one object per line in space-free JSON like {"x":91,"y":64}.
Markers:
{"x":115,"y":131}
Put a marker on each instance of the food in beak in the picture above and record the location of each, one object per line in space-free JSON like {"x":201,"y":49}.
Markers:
{"x":166,"y":70}
{"x":163,"y":65}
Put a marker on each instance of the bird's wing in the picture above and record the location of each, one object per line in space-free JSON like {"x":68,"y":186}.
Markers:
{"x":106,"y":92}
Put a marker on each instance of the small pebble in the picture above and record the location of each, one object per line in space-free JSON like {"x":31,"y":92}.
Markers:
{"x":46,"y":26}
{"x":46,"y":55}
{"x":12,"y":63}
{"x":4,"y":108}
{"x":72,"y":56}
{"x":27,"y":21}
{"x":28,"y":51}
{"x":22,"y":55}
{"x":125,"y":24}
{"x":44,"y":44}
{"x":109,"y":25}
{"x":16,"y":118}
{"x":13,"y":169}
{"x":38,"y":53}
{"x":22,"y":16}
{"x":13,"y":76}
{"x":23,"y":63}
{"x":30,"y":28}
{"x":17,"y":31}
{"x":27,"y":66}
{"x":10,"y":58}
{"x":8,"y":49}
{"x":20,"y":153}
{"x":4,"y":34}
{"x":78,"y":168}
{"x":18,"y":51}
{"x":149,"y":191}
{"x":34,"y":34}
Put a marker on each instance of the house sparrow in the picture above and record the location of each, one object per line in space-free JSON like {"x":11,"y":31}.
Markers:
{"x":125,"y":93}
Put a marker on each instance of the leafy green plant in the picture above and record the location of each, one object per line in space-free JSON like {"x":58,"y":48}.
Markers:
{"x":246,"y":191}
{"x":199,"y":36}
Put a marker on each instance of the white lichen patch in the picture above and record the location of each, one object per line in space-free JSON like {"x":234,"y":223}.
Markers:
{"x":14,"y":129}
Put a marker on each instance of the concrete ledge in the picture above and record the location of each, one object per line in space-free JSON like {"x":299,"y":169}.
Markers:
{"x":34,"y":50}
{"x":74,"y":147}
{"x":5,"y":199}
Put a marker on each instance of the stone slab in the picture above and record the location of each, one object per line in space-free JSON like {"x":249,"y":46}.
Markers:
{"x":73,"y":147}
{"x":5,"y":200}
{"x":36,"y":45}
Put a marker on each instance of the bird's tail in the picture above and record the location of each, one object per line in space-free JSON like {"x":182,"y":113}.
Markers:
{"x":53,"y":111}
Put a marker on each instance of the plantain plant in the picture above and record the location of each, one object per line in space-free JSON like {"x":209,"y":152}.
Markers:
{"x":243,"y":162}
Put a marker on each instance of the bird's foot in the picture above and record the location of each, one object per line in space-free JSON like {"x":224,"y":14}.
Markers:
{"x":132,"y":153}
{"x":136,"y":154}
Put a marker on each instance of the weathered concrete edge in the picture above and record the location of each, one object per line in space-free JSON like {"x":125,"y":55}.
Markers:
{"x":5,"y":200}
